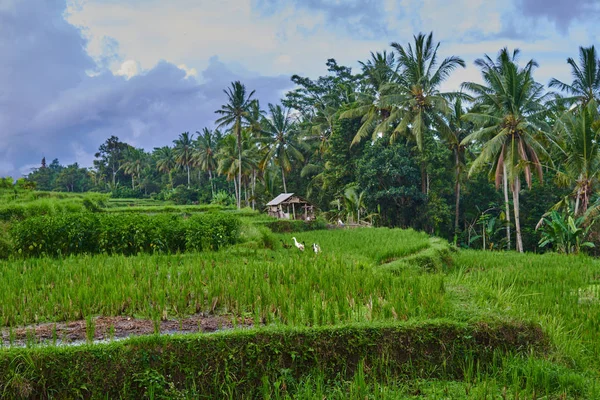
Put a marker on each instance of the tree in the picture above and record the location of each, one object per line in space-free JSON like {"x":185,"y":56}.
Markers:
{"x":184,"y":151}
{"x":234,"y":114}
{"x":378,"y":74}
{"x":586,"y":78}
{"x":135,"y":161}
{"x":416,"y":97}
{"x":453,"y":137}
{"x":111,"y":156}
{"x":205,"y":157}
{"x":509,"y":110}
{"x":578,"y":138}
{"x":229,"y":161}
{"x":165,"y":161}
{"x":280,"y":143}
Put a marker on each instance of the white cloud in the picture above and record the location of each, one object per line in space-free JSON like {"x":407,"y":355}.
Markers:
{"x":129,"y":69}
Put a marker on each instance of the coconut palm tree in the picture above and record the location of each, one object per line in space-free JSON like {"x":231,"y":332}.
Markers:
{"x":280,"y":144}
{"x":378,"y":73}
{"x":235,"y":114}
{"x":416,"y":99}
{"x":165,"y":161}
{"x":578,"y":139}
{"x":453,"y":137}
{"x":135,"y":160}
{"x":509,"y":112}
{"x":184,"y":151}
{"x":586,"y":78}
{"x":228,"y":160}
{"x":205,"y":156}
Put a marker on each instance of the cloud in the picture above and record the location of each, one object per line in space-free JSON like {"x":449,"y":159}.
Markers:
{"x":561,"y":12}
{"x":53,"y":107}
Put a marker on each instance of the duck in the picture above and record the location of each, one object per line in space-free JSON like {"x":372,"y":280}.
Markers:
{"x":316,"y":248}
{"x":300,"y":246}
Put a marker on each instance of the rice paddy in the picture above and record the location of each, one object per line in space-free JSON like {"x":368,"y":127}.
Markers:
{"x":362,"y":276}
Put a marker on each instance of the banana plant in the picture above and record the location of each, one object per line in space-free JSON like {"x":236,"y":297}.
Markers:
{"x":563,"y":232}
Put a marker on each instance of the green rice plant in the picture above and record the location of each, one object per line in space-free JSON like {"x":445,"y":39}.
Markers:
{"x":284,"y":286}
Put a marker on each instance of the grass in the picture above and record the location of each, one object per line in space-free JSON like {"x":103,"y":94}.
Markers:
{"x":559,"y":292}
{"x":284,"y":286}
{"x":374,"y":275}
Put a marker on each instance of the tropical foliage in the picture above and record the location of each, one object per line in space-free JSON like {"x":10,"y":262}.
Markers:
{"x":389,"y":142}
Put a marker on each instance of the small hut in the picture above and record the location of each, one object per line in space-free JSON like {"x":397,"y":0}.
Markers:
{"x":291,"y":206}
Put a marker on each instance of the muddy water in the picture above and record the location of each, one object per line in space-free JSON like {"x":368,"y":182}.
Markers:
{"x":113,"y":328}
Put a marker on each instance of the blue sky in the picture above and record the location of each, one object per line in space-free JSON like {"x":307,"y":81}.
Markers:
{"x":74,"y":72}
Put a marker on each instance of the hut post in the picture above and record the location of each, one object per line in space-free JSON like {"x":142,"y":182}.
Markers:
{"x":294,"y":210}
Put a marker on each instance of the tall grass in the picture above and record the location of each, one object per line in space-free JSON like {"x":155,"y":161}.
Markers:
{"x":560,"y":292}
{"x":285,"y":286}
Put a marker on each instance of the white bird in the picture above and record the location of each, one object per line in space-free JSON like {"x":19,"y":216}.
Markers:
{"x":340,"y":223}
{"x":300,"y":246}
{"x":316,"y":248}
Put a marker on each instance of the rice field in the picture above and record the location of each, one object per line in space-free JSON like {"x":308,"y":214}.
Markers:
{"x":349,"y":282}
{"x":285,"y":286}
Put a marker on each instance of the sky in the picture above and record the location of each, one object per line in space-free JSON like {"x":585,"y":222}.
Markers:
{"x":75,"y":72}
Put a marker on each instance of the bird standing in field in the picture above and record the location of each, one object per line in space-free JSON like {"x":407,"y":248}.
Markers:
{"x":300,"y":246}
{"x":316,"y":248}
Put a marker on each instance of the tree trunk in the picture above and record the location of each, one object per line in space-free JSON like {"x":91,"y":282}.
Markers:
{"x":253,"y":188}
{"x":456,"y":193}
{"x":283,"y":178}
{"x":506,"y":204}
{"x":212,"y":188}
{"x":235,"y":188}
{"x":239,"y":138}
{"x":516,"y":188}
{"x":132,"y":183}
{"x":188,"y":174}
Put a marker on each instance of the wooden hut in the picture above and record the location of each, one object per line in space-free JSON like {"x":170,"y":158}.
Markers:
{"x":291,"y":206}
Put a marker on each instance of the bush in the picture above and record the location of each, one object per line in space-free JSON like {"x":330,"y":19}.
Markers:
{"x":211,"y":231}
{"x":127,"y":234}
{"x":287,"y":226}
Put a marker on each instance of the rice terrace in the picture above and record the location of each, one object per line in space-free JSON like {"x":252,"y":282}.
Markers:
{"x":237,"y":311}
{"x":402,"y":223}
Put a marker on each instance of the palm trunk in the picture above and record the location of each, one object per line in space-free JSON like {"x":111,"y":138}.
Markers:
{"x":253,"y":188}
{"x":456,"y":193}
{"x":188,"y":174}
{"x":235,"y":188}
{"x":283,"y":178}
{"x":212,"y":188}
{"x":516,"y":188}
{"x":239,"y":200}
{"x":132,"y":183}
{"x":507,"y":205}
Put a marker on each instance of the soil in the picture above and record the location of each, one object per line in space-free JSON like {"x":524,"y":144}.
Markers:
{"x":106,"y":328}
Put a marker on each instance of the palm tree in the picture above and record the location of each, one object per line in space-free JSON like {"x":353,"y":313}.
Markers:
{"x":509,"y":111}
{"x":280,"y":144}
{"x":453,"y":137}
{"x":586,"y":78}
{"x":184,"y":151}
{"x":205,"y":157}
{"x":229,"y":162}
{"x":135,"y":160}
{"x":378,"y":73}
{"x":165,"y":161}
{"x":579,"y":144}
{"x":417,"y":101}
{"x":234,"y":114}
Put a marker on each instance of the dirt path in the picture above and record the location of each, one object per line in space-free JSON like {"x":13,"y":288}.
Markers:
{"x":113,"y":328}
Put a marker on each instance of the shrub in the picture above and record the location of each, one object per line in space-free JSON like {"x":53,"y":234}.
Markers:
{"x":287,"y":226}
{"x":124,"y":233}
{"x":211,"y":231}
